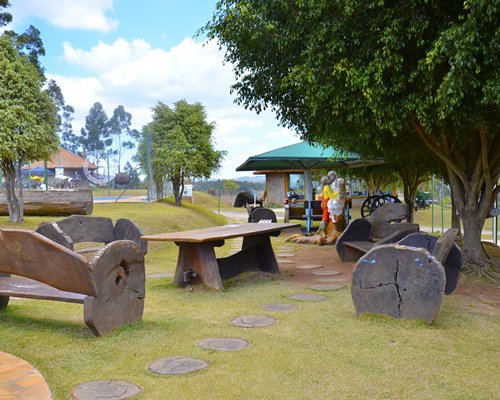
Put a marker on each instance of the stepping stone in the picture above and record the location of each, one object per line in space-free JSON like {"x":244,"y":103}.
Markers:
{"x":310,"y":266}
{"x":327,"y":287}
{"x":253,"y":321}
{"x":285,"y":255}
{"x":105,"y":390}
{"x":326,"y":273}
{"x":177,"y":365}
{"x":161,"y":275}
{"x":223,"y":344}
{"x":279,"y":307}
{"x":328,"y":280}
{"x":285,"y":262}
{"x":285,"y":248}
{"x":307,"y":297}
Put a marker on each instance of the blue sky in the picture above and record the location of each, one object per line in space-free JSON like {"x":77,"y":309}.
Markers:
{"x":138,"y":53}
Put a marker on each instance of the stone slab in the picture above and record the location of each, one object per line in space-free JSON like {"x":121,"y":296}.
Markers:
{"x":223,"y":344}
{"x":279,"y":307}
{"x":19,"y":380}
{"x":105,"y":390}
{"x":253,"y":321}
{"x":329,"y":280}
{"x":177,"y":365}
{"x":310,"y":266}
{"x":335,"y":286}
{"x":307,"y":297}
{"x":327,"y":273}
{"x":285,"y":255}
{"x":285,"y":262}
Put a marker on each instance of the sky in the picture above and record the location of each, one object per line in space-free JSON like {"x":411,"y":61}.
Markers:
{"x":135,"y":54}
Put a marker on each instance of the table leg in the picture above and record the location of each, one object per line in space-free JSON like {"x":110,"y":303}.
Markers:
{"x":266,"y":260}
{"x":200,"y":259}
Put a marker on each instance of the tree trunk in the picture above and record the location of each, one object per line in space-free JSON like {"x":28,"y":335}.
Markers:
{"x":409,"y":194}
{"x":412,"y":178}
{"x":473,"y":171}
{"x":455,"y":218}
{"x":473,"y":226}
{"x":10,"y":186}
{"x":178,"y":188}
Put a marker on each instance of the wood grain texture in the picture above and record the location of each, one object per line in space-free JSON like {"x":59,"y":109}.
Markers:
{"x":220,"y":232}
{"x":118,"y":271}
{"x":31,"y":255}
{"x":111,"y":285}
{"x":54,"y":202}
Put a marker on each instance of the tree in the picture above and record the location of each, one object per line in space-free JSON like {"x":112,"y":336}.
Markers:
{"x":182,"y":144}
{"x":65,"y":113}
{"x":119,"y":127}
{"x":135,"y":181}
{"x":230,"y":186}
{"x":5,"y":17}
{"x":423,"y":72}
{"x":27,"y":121}
{"x":95,"y":135}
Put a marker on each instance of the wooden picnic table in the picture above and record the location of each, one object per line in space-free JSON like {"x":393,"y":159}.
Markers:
{"x":197,"y":262}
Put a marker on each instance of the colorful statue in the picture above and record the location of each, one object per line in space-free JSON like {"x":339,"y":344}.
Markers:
{"x":333,"y":205}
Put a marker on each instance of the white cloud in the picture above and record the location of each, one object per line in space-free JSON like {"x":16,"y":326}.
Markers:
{"x":68,"y":14}
{"x":282,"y":133}
{"x":137,"y":76}
{"x":190,"y":70}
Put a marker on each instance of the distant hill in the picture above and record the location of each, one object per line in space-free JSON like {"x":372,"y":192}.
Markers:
{"x":253,"y":178}
{"x":250,"y":184}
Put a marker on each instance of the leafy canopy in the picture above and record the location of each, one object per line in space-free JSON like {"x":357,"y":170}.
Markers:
{"x":27,"y":113}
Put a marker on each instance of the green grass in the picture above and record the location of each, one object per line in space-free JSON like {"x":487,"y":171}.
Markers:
{"x":320,"y":351}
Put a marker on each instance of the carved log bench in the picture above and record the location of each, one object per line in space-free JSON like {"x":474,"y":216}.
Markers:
{"x":81,"y":229}
{"x":111,"y":285}
{"x":404,"y":281}
{"x":361,"y":235}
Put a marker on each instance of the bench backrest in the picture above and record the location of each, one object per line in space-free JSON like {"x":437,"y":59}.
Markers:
{"x":82,"y":228}
{"x":29,"y":254}
{"x":389,"y":212}
{"x":259,"y":214}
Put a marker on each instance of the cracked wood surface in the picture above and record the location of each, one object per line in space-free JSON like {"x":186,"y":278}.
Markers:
{"x":399,"y":281}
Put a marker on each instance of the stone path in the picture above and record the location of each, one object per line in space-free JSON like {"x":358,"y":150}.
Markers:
{"x":177,"y":365}
{"x":105,"y":390}
{"x":253,"y":321}
{"x":223,"y":344}
{"x":19,"y":380}
{"x":180,"y":365}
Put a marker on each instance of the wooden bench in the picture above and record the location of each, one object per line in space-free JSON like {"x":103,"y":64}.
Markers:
{"x":407,"y":279}
{"x":361,"y":235}
{"x":297,"y":211}
{"x":197,"y":262}
{"x":262,"y":215}
{"x":83,"y":229}
{"x":110,"y":285}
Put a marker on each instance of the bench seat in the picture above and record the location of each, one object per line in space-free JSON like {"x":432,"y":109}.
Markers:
{"x":15,"y":286}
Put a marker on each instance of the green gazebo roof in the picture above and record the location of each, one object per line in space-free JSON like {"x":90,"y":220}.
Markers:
{"x":304,"y":155}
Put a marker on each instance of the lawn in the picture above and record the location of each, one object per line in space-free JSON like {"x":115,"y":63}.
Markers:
{"x":319,"y":351}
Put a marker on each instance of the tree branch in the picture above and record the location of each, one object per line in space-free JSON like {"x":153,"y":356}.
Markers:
{"x":434,"y":147}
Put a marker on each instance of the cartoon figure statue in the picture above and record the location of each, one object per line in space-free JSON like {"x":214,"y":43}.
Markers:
{"x":333,"y":204}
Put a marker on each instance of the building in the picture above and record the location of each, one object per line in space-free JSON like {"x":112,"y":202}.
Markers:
{"x":288,"y":169}
{"x":62,"y":167}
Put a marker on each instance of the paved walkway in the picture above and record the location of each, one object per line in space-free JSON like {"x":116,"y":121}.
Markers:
{"x":19,"y":380}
